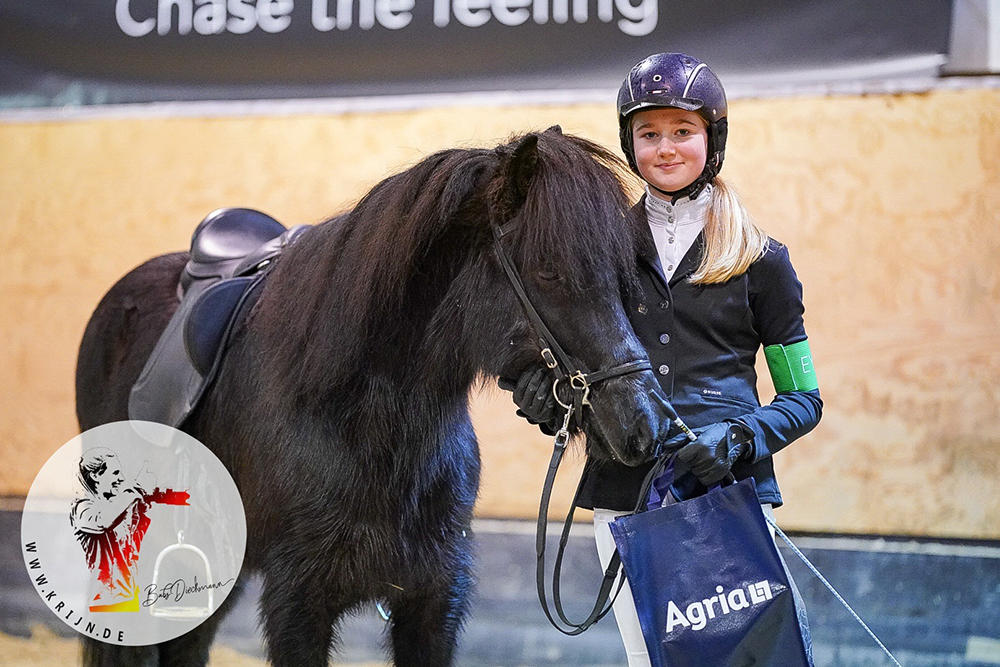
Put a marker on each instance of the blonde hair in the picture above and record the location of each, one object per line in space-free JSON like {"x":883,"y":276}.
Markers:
{"x":733,"y":241}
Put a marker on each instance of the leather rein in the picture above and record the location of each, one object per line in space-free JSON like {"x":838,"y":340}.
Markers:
{"x":565,"y":370}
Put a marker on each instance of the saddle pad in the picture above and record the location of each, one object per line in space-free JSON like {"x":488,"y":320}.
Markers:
{"x":209,"y":320}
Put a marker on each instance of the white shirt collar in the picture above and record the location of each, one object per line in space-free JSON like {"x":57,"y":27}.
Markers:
{"x":686,"y":211}
{"x":676,"y":226}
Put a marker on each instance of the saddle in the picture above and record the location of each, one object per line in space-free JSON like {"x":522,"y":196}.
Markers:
{"x":231,"y":252}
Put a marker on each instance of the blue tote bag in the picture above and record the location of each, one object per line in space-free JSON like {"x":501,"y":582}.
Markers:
{"x":708,"y":583}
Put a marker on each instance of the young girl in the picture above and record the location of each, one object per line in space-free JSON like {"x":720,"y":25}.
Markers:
{"x":714,"y":289}
{"x":110,"y":522}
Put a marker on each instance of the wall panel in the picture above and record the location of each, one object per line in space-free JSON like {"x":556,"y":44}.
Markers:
{"x":888,"y":204}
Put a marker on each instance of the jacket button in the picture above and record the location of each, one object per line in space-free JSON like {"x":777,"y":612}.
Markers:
{"x":642,"y":309}
{"x":664,"y":338}
{"x":664,"y":304}
{"x":664,"y":369}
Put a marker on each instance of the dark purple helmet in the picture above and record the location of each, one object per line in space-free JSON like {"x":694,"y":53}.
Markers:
{"x":678,"y":81}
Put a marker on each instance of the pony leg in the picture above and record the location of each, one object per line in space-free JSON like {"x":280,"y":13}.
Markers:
{"x":425,"y":628}
{"x":192,"y":648}
{"x":298,"y":623}
{"x":100,"y":654}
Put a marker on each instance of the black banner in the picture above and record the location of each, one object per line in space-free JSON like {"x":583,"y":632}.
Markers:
{"x":115,"y":51}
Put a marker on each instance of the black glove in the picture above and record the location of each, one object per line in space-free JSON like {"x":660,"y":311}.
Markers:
{"x":671,"y":446}
{"x":715,"y":450}
{"x":534,"y":399}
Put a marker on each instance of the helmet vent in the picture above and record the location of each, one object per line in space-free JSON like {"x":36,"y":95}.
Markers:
{"x":657,"y":77}
{"x":692,"y":77}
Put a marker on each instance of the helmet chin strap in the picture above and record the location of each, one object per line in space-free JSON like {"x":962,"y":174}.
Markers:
{"x":692,"y":190}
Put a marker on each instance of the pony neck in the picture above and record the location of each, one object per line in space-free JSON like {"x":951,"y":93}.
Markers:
{"x":333,"y":325}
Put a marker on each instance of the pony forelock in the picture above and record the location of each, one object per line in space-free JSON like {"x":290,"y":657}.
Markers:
{"x":574,"y":220}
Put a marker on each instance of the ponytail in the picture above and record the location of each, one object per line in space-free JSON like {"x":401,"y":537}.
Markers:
{"x":733,"y":241}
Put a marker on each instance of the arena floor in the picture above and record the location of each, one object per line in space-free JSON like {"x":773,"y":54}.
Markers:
{"x":934,"y":604}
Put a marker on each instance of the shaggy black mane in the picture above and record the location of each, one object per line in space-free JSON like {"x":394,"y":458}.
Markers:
{"x":375,"y":260}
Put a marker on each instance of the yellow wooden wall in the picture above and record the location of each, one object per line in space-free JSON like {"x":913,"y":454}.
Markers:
{"x":889,"y":205}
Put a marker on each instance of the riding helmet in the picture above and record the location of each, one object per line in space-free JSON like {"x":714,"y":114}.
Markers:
{"x":678,"y":81}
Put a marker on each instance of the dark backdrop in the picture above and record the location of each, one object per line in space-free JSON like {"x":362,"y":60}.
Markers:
{"x":79,"y":52}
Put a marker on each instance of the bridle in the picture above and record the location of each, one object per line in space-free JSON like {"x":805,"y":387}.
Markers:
{"x":554,"y":356}
{"x":579,"y":380}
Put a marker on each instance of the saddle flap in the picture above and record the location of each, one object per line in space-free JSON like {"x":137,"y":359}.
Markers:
{"x":213,"y":294}
{"x":209,"y":319}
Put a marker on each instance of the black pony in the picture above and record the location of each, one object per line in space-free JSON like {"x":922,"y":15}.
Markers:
{"x":341,"y":408}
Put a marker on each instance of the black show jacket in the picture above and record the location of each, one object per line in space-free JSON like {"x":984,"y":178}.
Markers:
{"x":703,"y":341}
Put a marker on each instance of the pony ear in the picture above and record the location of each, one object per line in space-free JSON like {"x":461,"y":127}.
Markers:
{"x":519,"y":172}
{"x":555,"y":129}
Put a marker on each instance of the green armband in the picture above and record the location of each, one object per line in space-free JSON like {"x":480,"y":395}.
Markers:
{"x":791,"y":367}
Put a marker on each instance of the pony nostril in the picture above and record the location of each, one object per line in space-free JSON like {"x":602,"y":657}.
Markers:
{"x":641,"y":435}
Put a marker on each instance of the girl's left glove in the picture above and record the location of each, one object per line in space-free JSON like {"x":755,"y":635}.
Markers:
{"x":716,"y":449}
{"x":534,"y":398}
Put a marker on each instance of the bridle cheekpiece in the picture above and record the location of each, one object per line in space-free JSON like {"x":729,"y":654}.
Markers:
{"x":554,"y":356}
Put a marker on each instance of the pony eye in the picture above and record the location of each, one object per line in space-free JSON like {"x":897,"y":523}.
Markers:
{"x":548,"y":275}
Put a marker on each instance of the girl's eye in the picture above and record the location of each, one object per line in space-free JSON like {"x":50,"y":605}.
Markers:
{"x":683,"y":132}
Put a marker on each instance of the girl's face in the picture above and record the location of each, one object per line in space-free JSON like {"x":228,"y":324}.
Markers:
{"x":110,"y":479}
{"x":671,"y":146}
